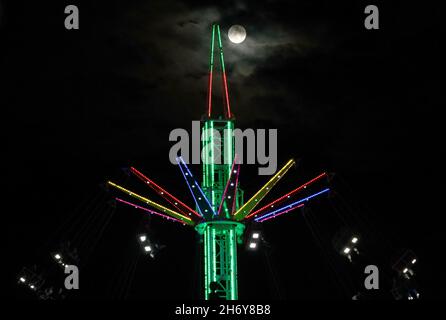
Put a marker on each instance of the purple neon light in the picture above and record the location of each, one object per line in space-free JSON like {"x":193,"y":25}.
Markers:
{"x":280,"y":213}
{"x":227,"y":186}
{"x":291,"y":205}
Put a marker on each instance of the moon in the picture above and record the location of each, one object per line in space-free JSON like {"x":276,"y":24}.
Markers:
{"x":237,"y":33}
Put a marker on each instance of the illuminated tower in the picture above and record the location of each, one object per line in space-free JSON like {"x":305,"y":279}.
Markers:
{"x":221,"y":213}
{"x":220,"y":234}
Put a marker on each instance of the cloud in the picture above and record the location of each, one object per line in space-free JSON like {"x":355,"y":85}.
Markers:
{"x":173,"y":40}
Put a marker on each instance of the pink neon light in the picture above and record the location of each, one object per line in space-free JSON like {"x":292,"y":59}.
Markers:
{"x":166,"y":195}
{"x":289,"y":194}
{"x":235,"y":188}
{"x":148,"y":210}
{"x":227,"y":186}
{"x":283,"y":212}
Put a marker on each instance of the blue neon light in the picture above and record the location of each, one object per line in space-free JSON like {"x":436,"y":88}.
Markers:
{"x":196,"y":184}
{"x":291,"y":205}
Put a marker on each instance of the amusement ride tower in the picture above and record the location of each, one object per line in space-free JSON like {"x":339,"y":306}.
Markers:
{"x":221,"y":213}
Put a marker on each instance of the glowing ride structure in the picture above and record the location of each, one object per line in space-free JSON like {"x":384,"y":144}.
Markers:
{"x":221,"y":213}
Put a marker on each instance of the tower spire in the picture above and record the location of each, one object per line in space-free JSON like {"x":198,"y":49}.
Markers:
{"x":227,"y":110}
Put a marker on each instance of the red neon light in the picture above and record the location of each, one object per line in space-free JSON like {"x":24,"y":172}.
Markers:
{"x":289,"y":194}
{"x":226,"y":94}
{"x":283,"y":212}
{"x":148,"y":210}
{"x":165,"y":194}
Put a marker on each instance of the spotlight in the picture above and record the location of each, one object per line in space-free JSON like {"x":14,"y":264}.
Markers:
{"x":252,"y":245}
{"x":347,"y":250}
{"x":57,"y":256}
{"x":414,"y":260}
{"x":32,"y":286}
{"x":405,"y":270}
{"x":255,"y":235}
{"x":142,"y":238}
{"x":147,"y":248}
{"x":22,"y":280}
{"x":354,"y":239}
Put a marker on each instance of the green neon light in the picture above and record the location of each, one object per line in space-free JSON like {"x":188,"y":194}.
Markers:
{"x":210,"y":256}
{"x":214,"y":255}
{"x":212,"y":173}
{"x":220,"y":236}
{"x":206,"y":267}
{"x":203,"y":142}
{"x":221,"y":260}
{"x":210,"y":253}
{"x":211,"y":63}
{"x":221,"y":49}
{"x":230,"y":143}
{"x":212,"y":153}
{"x":233,"y":264}
{"x":205,"y":161}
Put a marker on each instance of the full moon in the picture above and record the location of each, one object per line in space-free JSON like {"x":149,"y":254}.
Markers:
{"x":237,"y":34}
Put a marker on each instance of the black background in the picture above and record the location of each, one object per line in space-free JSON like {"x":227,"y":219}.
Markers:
{"x":79,"y":105}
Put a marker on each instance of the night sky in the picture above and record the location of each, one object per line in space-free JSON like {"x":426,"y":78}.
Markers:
{"x":80,"y":105}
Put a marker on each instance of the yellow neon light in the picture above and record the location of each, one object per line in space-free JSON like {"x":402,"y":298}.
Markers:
{"x":168,"y":211}
{"x":254,"y":201}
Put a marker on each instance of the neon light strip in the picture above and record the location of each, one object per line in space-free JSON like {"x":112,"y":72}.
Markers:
{"x":204,"y":133}
{"x":233,"y":261}
{"x":209,"y":256}
{"x":223,"y":71}
{"x":214,"y":254}
{"x":165,"y":194}
{"x":229,"y":145}
{"x":212,"y":157}
{"x":288,"y":195}
{"x":292,"y":204}
{"x":153,"y":204}
{"x":236,"y":172}
{"x":250,"y":205}
{"x":191,"y":191}
{"x":283,"y":212}
{"x":211,"y":67}
{"x":180,"y":159}
{"x":236,"y":188}
{"x":234,"y":194}
{"x":206,"y":264}
{"x":227,"y":95}
{"x":198,"y":186}
{"x":208,"y":235}
{"x":148,"y":210}
{"x":210,"y":95}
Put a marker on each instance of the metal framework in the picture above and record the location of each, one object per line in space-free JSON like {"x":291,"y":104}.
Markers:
{"x":221,"y":213}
